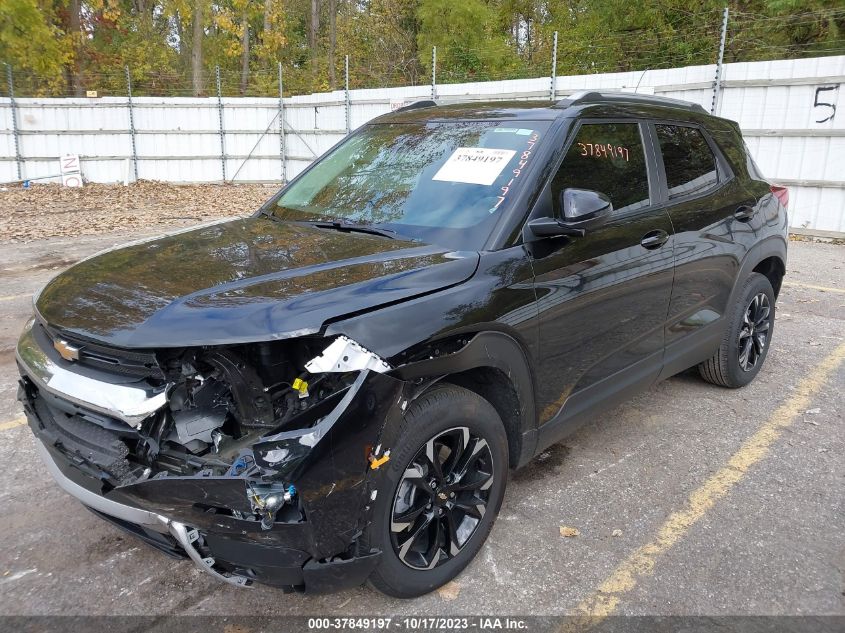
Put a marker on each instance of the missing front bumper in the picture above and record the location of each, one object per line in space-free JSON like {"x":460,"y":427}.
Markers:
{"x":185,"y":536}
{"x":317,"y":554}
{"x":129,"y":514}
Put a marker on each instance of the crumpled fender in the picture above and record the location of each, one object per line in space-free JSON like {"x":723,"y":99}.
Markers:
{"x":334,"y":480}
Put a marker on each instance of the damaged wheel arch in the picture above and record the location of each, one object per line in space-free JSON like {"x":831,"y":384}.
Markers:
{"x":496,"y":366}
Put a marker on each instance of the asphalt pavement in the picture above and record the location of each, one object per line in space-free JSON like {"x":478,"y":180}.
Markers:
{"x":688,"y":500}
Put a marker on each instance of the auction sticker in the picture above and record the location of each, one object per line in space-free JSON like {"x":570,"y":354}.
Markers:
{"x":474,"y":165}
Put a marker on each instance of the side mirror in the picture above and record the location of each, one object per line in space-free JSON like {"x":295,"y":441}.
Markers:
{"x":552,"y":227}
{"x":583,"y":209}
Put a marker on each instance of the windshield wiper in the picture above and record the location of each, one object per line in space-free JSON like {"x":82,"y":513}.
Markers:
{"x":355,"y":228}
{"x":338,"y":225}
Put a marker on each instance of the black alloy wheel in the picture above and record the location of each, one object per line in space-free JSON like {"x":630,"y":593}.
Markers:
{"x":754,"y":334}
{"x":440,"y":493}
{"x":747,"y":336}
{"x":441,"y":498}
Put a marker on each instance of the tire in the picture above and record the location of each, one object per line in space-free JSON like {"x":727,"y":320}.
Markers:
{"x":736,"y":364}
{"x":447,"y":421}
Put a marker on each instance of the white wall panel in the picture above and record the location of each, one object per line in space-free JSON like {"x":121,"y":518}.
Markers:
{"x":178,"y":138}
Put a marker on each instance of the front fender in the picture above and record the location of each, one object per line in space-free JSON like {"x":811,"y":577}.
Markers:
{"x":500,"y":351}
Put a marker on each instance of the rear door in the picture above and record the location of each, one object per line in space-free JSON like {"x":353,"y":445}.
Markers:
{"x":715,"y":221}
{"x":603,"y":297}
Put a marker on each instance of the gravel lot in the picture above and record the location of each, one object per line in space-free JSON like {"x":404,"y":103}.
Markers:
{"x":645,"y":486}
{"x":97,"y":208}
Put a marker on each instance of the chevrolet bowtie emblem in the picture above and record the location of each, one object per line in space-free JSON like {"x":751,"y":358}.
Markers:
{"x":66,"y":350}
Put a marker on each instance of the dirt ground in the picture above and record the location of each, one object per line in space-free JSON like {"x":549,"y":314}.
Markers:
{"x":50,"y":210}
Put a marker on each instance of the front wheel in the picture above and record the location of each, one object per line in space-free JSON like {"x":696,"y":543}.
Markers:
{"x":746,"y":343}
{"x":441,"y":493}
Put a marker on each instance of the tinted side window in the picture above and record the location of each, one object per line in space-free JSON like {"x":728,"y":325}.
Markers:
{"x":688,"y":159}
{"x":609,"y":158}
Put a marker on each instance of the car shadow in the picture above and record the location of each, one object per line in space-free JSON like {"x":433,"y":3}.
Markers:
{"x":543,"y":464}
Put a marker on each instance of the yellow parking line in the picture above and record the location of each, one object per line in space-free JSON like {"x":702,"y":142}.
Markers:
{"x":641,"y":562}
{"x":5,"y":426}
{"x":793,"y":284}
{"x":11,"y":297}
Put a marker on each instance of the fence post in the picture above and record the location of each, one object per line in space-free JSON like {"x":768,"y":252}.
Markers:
{"x":14,"y":106}
{"x":220,"y":117}
{"x":717,"y":82}
{"x":346,"y":95}
{"x":132,"y":124}
{"x":552,"y":88}
{"x":434,"y":73}
{"x":282,"y":129}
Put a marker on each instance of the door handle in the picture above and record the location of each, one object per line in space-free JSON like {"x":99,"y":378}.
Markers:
{"x":744,"y":213}
{"x":654,"y":239}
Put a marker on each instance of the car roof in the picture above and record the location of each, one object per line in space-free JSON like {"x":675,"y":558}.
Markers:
{"x":422,"y":111}
{"x":603,"y":103}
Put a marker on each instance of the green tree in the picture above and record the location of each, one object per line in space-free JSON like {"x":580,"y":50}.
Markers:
{"x":380,"y":37}
{"x":172,"y":46}
{"x":29,"y":40}
{"x":470,"y":44}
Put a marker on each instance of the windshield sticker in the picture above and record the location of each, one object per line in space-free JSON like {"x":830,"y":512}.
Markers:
{"x":512,"y":130}
{"x":474,"y":165}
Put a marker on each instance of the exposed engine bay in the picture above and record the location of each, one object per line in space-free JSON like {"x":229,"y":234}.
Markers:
{"x":222,"y":400}
{"x":221,"y":403}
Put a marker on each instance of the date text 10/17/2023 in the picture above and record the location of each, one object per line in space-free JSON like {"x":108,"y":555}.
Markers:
{"x":417,"y":623}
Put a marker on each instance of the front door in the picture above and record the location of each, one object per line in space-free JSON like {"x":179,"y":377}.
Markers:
{"x":603,"y":298}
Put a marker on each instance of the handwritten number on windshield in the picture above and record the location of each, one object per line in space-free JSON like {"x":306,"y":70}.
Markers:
{"x":523,"y":161}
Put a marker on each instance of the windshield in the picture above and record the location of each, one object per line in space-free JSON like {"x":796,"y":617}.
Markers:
{"x":441,"y":183}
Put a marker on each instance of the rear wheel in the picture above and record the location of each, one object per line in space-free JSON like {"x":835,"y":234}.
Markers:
{"x":441,"y":493}
{"x":746,"y":343}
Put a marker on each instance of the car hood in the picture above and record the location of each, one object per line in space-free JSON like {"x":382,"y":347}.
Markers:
{"x":239,"y":281}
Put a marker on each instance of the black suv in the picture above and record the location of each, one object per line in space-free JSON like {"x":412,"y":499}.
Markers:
{"x":334,"y":389}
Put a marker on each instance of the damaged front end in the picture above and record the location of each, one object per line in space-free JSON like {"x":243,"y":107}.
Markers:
{"x":256,"y":461}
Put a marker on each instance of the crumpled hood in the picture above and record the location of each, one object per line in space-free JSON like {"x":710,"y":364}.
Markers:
{"x":239,"y":281}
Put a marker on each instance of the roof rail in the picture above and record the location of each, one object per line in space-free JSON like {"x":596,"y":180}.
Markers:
{"x":424,"y":103}
{"x":591,"y":96}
